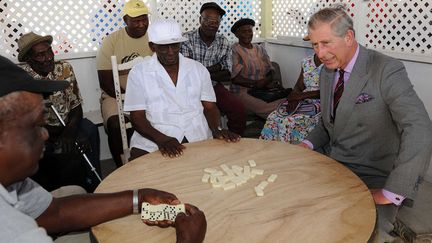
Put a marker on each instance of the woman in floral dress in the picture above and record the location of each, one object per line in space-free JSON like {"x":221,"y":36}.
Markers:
{"x":300,"y":112}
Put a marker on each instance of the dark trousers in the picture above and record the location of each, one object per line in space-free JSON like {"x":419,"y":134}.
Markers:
{"x":232,"y":107}
{"x":58,"y":169}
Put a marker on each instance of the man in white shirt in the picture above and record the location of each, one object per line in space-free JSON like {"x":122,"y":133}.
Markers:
{"x":170,"y":97}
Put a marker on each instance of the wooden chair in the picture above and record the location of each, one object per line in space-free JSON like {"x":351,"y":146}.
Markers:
{"x":123,"y":68}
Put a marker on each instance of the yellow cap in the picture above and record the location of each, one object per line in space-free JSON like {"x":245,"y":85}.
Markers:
{"x":135,"y":8}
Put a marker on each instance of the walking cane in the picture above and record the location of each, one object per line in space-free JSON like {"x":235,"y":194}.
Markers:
{"x":77,"y":145}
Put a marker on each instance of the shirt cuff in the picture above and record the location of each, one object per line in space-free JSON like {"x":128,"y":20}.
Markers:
{"x":393,"y":197}
{"x":308,"y":143}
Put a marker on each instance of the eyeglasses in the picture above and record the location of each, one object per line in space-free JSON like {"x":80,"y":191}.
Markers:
{"x":209,"y":20}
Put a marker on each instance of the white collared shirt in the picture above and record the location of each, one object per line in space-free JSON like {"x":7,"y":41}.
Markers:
{"x":175,"y":111}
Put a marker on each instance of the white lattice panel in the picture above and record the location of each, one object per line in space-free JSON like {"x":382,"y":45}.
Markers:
{"x":290,"y":16}
{"x":76,"y":26}
{"x":67,"y":21}
{"x":402,"y":26}
{"x":108,"y":18}
{"x":186,"y":12}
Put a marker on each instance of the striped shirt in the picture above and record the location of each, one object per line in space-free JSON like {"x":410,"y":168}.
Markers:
{"x":252,"y":63}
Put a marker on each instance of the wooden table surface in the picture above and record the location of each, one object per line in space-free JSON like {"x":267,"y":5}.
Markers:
{"x":314,"y":199}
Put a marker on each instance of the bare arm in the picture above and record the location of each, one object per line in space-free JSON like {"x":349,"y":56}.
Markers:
{"x":249,"y":83}
{"x":168,"y":146}
{"x":106,"y":82}
{"x":192,"y":226}
{"x":83,"y":211}
{"x":212,"y":115}
{"x":297,"y":93}
{"x":219,"y":75}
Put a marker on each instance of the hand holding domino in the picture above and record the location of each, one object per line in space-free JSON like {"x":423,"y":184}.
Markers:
{"x":161,"y":212}
{"x":156,"y":197}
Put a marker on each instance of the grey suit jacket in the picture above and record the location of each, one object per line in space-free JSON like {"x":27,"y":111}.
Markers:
{"x":387,"y":139}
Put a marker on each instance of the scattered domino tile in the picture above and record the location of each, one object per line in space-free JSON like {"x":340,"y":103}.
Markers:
{"x":263,"y":185}
{"x":230,"y":177}
{"x":259,"y":192}
{"x":252,"y":163}
{"x":257,"y":171}
{"x":272,"y":178}
{"x":205,"y":178}
{"x":161,"y":211}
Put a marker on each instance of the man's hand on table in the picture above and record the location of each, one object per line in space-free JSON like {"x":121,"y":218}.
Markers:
{"x":226,"y":135}
{"x":169,"y":146}
{"x":156,"y":197}
{"x":192,"y":226}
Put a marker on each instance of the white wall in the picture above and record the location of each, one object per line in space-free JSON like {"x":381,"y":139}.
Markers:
{"x":289,"y":56}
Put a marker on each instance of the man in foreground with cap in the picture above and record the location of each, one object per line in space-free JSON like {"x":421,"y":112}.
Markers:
{"x":170,"y":97}
{"x":62,"y":163}
{"x":27,"y":211}
{"x":251,"y":68}
{"x":214,"y":52}
{"x":126,"y":44}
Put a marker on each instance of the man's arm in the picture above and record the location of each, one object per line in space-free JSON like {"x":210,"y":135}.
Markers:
{"x":415,"y":128}
{"x":219,"y":75}
{"x":318,"y":137}
{"x":297,"y":93}
{"x":74,"y":118}
{"x":169,"y":146}
{"x":66,"y":136}
{"x":106,"y":82}
{"x":249,"y":83}
{"x":221,"y":72}
{"x":192,"y":226}
{"x":212,"y":115}
{"x":83,"y":211}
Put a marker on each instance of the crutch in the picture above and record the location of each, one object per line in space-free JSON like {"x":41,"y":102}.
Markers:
{"x":76,"y":144}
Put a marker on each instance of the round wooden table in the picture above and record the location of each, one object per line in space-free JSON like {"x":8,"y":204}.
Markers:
{"x":314,"y":199}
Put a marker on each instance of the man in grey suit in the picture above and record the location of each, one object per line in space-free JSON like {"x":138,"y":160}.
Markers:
{"x":372,"y":122}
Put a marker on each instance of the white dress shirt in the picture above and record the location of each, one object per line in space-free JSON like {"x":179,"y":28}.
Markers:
{"x":174,"y":110}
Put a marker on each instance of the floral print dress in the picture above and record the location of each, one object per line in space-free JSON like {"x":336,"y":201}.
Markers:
{"x":295,"y":126}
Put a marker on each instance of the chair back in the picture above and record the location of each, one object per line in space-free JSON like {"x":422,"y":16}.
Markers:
{"x":116,"y":69}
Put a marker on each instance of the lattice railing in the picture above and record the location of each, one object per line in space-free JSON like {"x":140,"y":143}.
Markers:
{"x":80,"y":25}
{"x":67,"y":21}
{"x":290,"y":16}
{"x":186,"y":12}
{"x":400,"y":26}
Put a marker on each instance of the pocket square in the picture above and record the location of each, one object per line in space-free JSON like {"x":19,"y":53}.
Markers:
{"x":363,"y":98}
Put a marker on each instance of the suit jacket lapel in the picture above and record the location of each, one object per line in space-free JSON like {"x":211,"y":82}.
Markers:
{"x":356,"y":82}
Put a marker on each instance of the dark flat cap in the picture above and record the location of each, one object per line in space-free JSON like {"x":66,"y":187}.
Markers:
{"x":212,"y":5}
{"x":240,"y":23}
